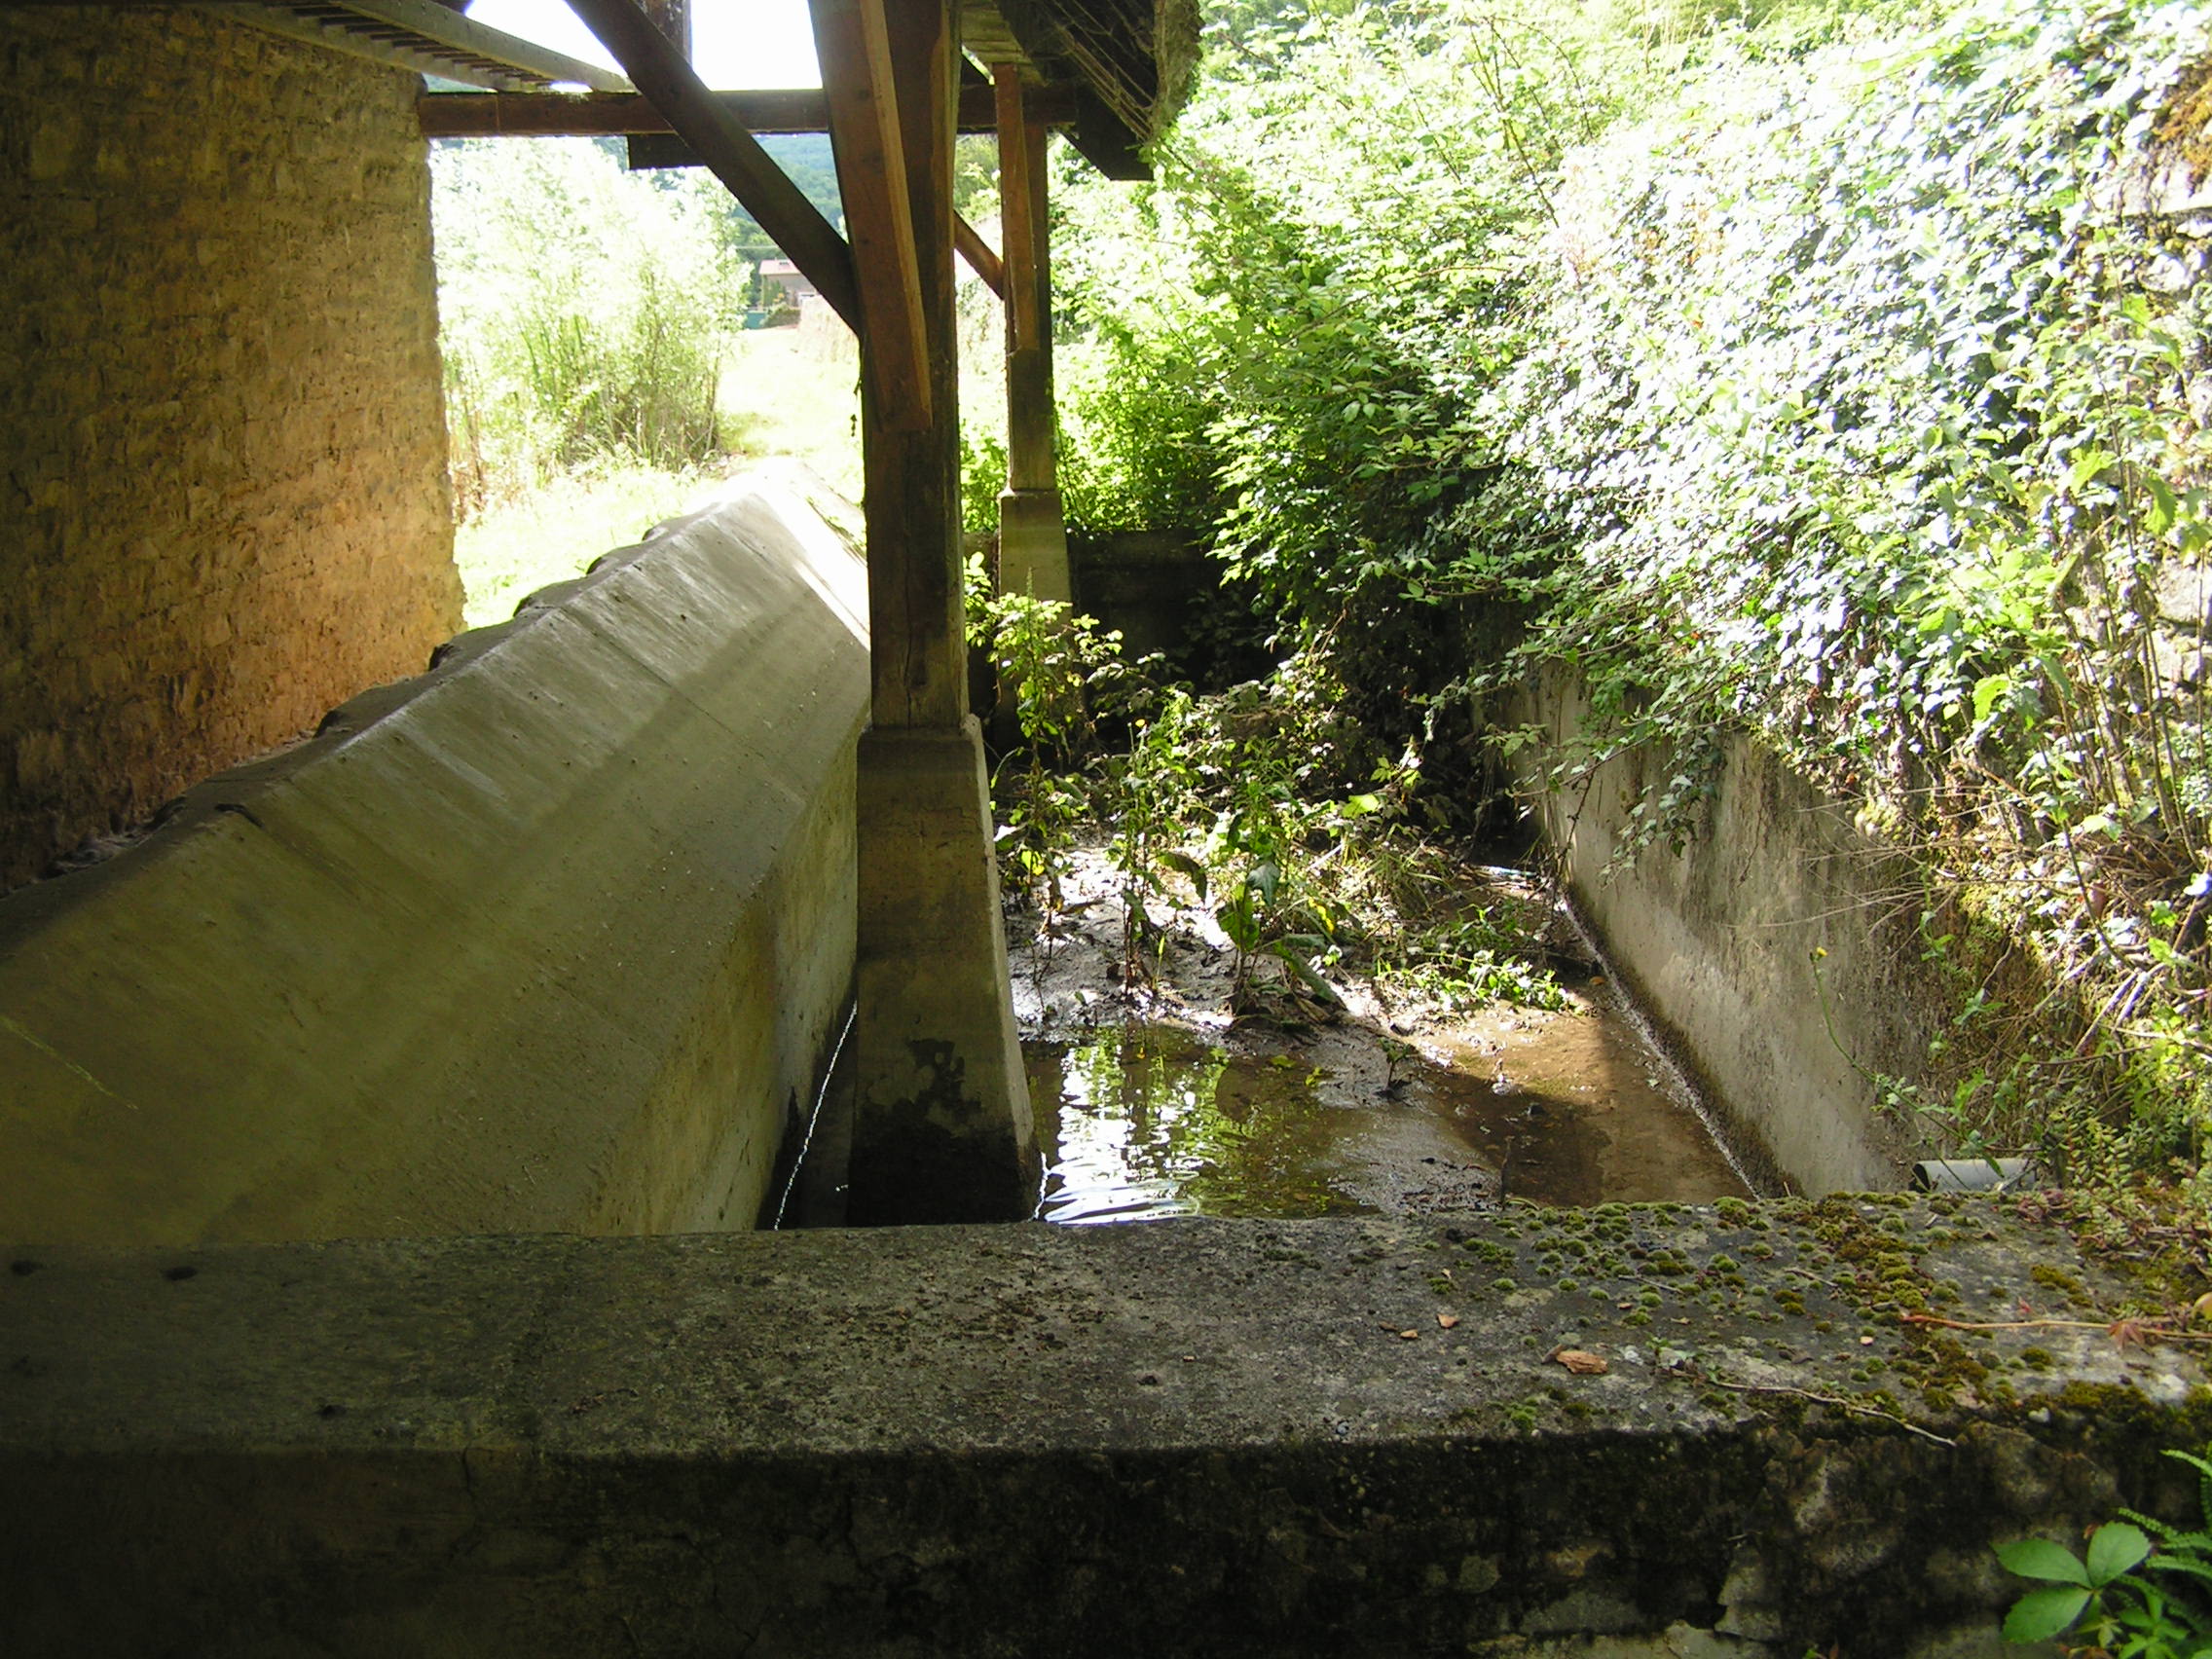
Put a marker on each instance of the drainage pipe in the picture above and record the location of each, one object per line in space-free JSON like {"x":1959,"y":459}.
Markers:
{"x":1967,"y":1174}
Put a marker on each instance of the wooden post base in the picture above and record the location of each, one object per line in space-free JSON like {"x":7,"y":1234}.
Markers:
{"x":941,"y":1126}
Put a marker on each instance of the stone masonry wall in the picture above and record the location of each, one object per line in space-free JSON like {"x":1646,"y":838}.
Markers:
{"x":223,"y":501}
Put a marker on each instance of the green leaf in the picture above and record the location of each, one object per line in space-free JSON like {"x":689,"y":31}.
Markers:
{"x":1191,"y":867}
{"x":1306,"y":973}
{"x":2041,"y":1614}
{"x":2039,"y":1558}
{"x":2087,"y":465}
{"x":1360,"y":805}
{"x":2164,"y":508}
{"x":2113,"y":1548}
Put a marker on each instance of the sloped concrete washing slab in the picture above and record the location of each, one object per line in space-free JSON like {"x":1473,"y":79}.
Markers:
{"x":552,"y":937}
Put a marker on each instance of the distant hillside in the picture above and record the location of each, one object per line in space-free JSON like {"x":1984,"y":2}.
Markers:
{"x":806,"y":158}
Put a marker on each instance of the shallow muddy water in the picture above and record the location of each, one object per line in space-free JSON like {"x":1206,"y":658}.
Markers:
{"x":1147,"y":1120}
{"x":1160,"y":1104}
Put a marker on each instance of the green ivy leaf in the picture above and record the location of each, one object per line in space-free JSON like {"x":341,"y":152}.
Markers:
{"x":2041,"y":1614}
{"x":2039,"y":1558}
{"x":2113,"y":1548}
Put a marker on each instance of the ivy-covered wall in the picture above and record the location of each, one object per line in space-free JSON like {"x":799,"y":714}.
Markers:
{"x":223,"y":501}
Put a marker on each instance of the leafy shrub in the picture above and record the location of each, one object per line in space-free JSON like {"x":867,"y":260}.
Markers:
{"x":582,"y":310}
{"x":1871,"y":425}
{"x":2129,"y":1597}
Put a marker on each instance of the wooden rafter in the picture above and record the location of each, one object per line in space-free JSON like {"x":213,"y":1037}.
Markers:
{"x":978,"y":253}
{"x":662,"y":73}
{"x":549,"y":115}
{"x":408,"y":34}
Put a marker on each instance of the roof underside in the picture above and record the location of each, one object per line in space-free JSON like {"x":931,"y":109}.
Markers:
{"x":1127,"y":64}
{"x":1134,"y":56}
{"x":424,"y":35}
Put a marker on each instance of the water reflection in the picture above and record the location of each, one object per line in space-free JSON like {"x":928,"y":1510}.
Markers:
{"x":1153,"y":1121}
{"x":1143,"y":1121}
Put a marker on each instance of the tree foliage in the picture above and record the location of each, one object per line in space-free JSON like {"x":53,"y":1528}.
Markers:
{"x":582,"y":309}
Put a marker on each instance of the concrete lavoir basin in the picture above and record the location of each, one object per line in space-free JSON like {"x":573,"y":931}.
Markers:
{"x":1202,"y":1437}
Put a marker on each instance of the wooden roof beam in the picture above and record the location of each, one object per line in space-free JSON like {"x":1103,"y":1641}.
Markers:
{"x":601,"y":114}
{"x":978,"y":254}
{"x":659,"y":70}
{"x":673,"y":17}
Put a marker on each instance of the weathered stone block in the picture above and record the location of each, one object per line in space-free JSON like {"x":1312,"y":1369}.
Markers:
{"x":1196,"y":1437}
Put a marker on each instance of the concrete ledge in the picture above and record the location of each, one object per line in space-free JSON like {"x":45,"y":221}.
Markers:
{"x":1189,"y":1437}
{"x":550,"y":938}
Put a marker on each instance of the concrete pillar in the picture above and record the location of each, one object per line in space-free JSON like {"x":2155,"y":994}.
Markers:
{"x":942,"y":1131}
{"x":1033,"y":541}
{"x":941,"y":1127}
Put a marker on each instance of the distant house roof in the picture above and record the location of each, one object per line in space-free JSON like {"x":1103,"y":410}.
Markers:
{"x":778,"y":268}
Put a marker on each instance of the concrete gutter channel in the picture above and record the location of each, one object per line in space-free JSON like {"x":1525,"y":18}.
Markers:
{"x":1188,"y":1437}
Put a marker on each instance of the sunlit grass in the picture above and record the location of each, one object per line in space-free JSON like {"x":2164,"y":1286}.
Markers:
{"x":778,"y":398}
{"x":775,"y":400}
{"x":509,"y":551}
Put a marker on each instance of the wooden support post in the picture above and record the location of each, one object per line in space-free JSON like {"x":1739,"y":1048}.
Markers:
{"x":941,"y":1126}
{"x":872,"y":143}
{"x":1033,"y":545}
{"x":906,"y":330}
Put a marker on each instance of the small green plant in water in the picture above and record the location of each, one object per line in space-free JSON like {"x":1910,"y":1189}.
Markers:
{"x":1054,"y":663}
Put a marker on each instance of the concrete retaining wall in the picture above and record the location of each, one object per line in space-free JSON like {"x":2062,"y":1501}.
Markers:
{"x":1151,"y":586}
{"x":1717,"y":941}
{"x":1206,"y":1438}
{"x":223,"y":500}
{"x":552,"y":937}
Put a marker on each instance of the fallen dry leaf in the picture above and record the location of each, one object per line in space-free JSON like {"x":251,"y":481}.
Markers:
{"x":1448,"y":1320}
{"x":1582,"y":1364}
{"x":1409,"y":1336}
